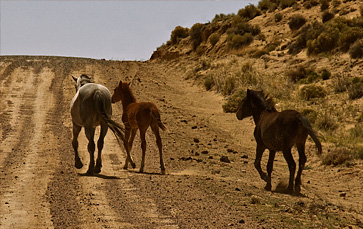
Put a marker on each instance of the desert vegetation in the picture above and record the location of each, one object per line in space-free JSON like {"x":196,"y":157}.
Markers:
{"x":305,"y":54}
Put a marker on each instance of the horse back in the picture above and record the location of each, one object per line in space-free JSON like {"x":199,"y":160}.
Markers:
{"x":280,"y":130}
{"x":85,"y":104}
{"x":139,"y":115}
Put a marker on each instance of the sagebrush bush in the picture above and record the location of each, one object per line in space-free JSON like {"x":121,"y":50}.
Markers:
{"x":214,"y":38}
{"x":325,"y":42}
{"x":312,"y":91}
{"x":178,"y":33}
{"x":236,"y":41}
{"x":356,"y":50}
{"x":355,"y":91}
{"x":234,"y":101}
{"x":296,"y":21}
{"x":337,"y":156}
{"x":278,"y":17}
{"x":349,"y":36}
{"x":209,"y":82}
{"x":249,"y":12}
{"x":324,"y":4}
{"x":195,"y":34}
{"x":327,"y":16}
{"x":341,"y":83}
{"x":325,"y":74}
{"x":298,"y":73}
{"x":286,"y":3}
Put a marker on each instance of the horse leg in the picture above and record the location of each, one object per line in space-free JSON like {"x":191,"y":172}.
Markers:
{"x":90,"y":132}
{"x":143,"y":147}
{"x":271,"y":159}
{"x":292,"y":167}
{"x":100,"y":143}
{"x":259,"y":151}
{"x":302,"y":161}
{"x":126,"y":145}
{"x":155,"y":130}
{"x":76,"y":130}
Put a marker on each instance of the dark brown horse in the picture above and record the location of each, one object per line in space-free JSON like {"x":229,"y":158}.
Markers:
{"x":277,"y":131}
{"x":138,"y":115}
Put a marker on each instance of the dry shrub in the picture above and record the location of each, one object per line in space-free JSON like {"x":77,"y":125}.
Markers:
{"x":312,"y":91}
{"x":195,"y":34}
{"x":214,"y":38}
{"x":337,"y":156}
{"x":356,"y":50}
{"x":278,"y":17}
{"x":234,"y":101}
{"x":355,"y":91}
{"x":178,"y":33}
{"x":341,"y":82}
{"x":298,"y":73}
{"x":327,"y":16}
{"x":249,"y":12}
{"x":296,"y":21}
{"x":236,"y":41}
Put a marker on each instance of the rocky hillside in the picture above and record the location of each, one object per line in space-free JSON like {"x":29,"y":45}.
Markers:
{"x":306,"y":54}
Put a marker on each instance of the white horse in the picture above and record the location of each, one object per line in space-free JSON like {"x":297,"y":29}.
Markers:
{"x":91,"y":107}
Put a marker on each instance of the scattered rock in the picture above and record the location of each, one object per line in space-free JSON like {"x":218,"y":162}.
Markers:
{"x":225,"y":159}
{"x":343,"y":194}
{"x":244,"y":156}
{"x":196,"y":140}
{"x":255,"y":199}
{"x":194,"y":127}
{"x":237,"y":189}
{"x":205,"y":152}
{"x":186,"y":158}
{"x":241,"y":221}
{"x":210,"y":157}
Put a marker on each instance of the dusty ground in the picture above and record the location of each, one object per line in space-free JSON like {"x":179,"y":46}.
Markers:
{"x":40,"y":188}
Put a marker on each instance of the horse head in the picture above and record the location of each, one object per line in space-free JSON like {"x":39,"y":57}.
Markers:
{"x":122,"y":92}
{"x":245,"y":109}
{"x":80,"y":81}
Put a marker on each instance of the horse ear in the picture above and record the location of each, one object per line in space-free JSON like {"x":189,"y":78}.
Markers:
{"x":120,"y":84}
{"x":74,"y":78}
{"x":248,"y":92}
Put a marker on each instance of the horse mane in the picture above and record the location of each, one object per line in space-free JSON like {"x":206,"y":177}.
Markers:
{"x":128,"y":93}
{"x":264,"y":100}
{"x":86,"y":78}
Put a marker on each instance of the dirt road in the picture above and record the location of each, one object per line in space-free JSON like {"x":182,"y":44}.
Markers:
{"x":40,"y":188}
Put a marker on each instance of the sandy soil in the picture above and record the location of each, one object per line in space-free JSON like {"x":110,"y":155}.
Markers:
{"x":40,"y":188}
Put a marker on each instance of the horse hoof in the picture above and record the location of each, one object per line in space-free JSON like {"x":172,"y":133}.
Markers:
{"x":78,"y":165}
{"x":268,"y":187}
{"x":162,"y":172}
{"x":133,"y":165}
{"x":97,"y":170}
{"x":89,"y":172}
{"x":297,"y":189}
{"x":141,"y":171}
{"x":125,"y":167}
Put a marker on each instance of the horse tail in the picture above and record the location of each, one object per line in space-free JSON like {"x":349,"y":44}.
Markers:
{"x":116,"y":128}
{"x":154,"y":112}
{"x":305,"y":122}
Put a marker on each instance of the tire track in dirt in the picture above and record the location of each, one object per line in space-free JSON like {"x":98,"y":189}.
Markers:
{"x":27,"y":168}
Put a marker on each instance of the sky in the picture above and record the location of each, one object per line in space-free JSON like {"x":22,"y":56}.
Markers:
{"x":111,"y":29}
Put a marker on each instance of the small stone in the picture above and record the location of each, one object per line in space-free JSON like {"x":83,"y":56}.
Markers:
{"x":205,"y":152}
{"x":225,"y":159}
{"x":241,"y":221}
{"x":343,"y":194}
{"x":196,"y":140}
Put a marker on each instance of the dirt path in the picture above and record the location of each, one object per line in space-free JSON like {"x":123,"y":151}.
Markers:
{"x":40,"y":188}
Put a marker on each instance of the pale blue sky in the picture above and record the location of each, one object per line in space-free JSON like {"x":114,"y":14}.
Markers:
{"x":118,"y":30}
